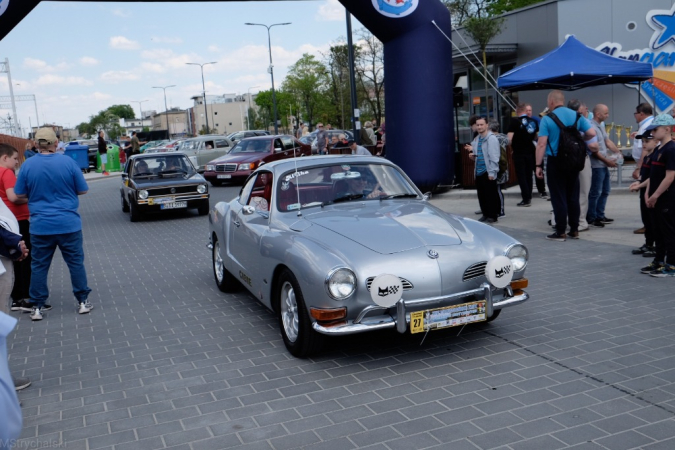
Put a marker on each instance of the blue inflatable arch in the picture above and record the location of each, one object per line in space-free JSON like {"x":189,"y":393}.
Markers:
{"x":418,"y":88}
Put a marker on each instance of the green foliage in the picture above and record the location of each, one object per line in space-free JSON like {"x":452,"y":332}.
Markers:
{"x":463,"y":10}
{"x":108,"y":121}
{"x":122,"y":111}
{"x":307,"y":81}
{"x":483,"y":29}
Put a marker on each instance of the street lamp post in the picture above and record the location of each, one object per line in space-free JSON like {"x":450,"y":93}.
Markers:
{"x":271,"y":70}
{"x":140,"y":107}
{"x":201,"y":66}
{"x":248,"y":112}
{"x":166,"y":108}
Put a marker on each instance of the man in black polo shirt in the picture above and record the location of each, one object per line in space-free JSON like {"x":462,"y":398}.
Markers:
{"x":661,"y":196}
{"x":522,"y":133}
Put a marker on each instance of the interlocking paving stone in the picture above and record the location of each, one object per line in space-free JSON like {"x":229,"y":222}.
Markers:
{"x":167,"y":361}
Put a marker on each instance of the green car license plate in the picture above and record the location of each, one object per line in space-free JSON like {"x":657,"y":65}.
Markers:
{"x":174,"y":205}
{"x":450,"y":316}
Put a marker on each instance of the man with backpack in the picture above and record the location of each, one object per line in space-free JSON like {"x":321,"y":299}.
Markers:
{"x":561,"y":142}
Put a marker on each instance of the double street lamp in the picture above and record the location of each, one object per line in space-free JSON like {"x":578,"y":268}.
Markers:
{"x":140,"y":107}
{"x":206,"y":115}
{"x":271,"y":69}
{"x":166,"y":109}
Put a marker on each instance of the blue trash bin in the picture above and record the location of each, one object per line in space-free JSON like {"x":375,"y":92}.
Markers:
{"x":80,"y":153}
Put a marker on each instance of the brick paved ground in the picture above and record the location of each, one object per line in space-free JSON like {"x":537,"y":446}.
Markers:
{"x":167,"y":361}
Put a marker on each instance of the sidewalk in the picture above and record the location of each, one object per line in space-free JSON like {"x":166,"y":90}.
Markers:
{"x":91,"y":176}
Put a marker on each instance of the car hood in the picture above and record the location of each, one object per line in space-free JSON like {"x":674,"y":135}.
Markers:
{"x":239,"y":158}
{"x":389,"y":227}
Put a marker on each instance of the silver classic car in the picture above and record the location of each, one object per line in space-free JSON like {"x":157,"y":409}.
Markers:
{"x":338,"y":245}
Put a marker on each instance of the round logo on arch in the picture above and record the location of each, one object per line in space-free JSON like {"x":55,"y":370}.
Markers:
{"x":4,"y":4}
{"x":395,"y":8}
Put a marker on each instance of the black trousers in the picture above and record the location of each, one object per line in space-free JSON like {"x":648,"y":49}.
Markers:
{"x":564,"y":192}
{"x":22,"y":268}
{"x":541,"y":185}
{"x":647,"y":220}
{"x":488,"y":197}
{"x":524,"y":165}
{"x":664,"y":226}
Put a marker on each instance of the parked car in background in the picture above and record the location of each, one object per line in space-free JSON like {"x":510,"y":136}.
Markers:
{"x":338,"y":245}
{"x":159,"y":182}
{"x":251,"y":153}
{"x":239,"y":135}
{"x":203,"y":149}
{"x":153,"y":144}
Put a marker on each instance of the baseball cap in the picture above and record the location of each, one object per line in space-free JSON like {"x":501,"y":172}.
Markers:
{"x":662,"y":120}
{"x":350,"y":142}
{"x":645,"y":135}
{"x":45,"y":136}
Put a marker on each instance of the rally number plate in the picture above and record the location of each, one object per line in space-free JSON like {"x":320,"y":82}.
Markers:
{"x":451,"y":316}
{"x":175,"y":205}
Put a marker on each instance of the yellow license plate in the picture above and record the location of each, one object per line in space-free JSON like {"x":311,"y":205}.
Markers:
{"x":450,"y":316}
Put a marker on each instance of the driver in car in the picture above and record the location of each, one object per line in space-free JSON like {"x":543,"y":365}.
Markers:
{"x":360,"y":185}
{"x":141,"y":167}
{"x":172,"y":164}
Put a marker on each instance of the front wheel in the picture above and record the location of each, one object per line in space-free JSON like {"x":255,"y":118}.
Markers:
{"x":134,"y":213}
{"x":225,"y":281}
{"x":125,"y":205}
{"x":495,"y":314}
{"x":203,"y":208}
{"x":296,"y":327}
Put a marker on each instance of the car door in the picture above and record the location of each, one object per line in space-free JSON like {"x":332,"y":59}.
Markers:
{"x":249,"y":222}
{"x":277,"y":152}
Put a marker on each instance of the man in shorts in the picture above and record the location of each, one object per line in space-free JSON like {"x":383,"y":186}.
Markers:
{"x":103,"y":152}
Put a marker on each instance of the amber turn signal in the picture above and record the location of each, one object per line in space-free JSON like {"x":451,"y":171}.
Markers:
{"x":325,"y":315}
{"x":519,"y":284}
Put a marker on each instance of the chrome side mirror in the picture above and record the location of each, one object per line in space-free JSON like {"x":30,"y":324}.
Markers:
{"x":426,"y":196}
{"x":248,"y":210}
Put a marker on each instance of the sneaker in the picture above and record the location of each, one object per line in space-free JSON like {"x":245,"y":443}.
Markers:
{"x":501,"y":215}
{"x":649,"y":254}
{"x":524,"y":204}
{"x":574,"y":235}
{"x":543,"y":195}
{"x":478,"y":213}
{"x":557,"y":237}
{"x":483,"y":219}
{"x":85,"y":307}
{"x":36,"y":314}
{"x":596,"y":224}
{"x":639,"y":231}
{"x":22,"y":305}
{"x":642,"y":250}
{"x":606,"y":220}
{"x":106,"y":173}
{"x":582,"y":229}
{"x":30,"y":306}
{"x":489,"y":220}
{"x":651,"y":267}
{"x":663,"y":272}
{"x":21,"y":383}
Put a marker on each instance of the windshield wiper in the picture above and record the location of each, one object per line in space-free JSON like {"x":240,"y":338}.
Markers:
{"x":348,"y":197}
{"x":172,"y":172}
{"x":310,"y":205}
{"x":144,"y":175}
{"x":399,"y":196}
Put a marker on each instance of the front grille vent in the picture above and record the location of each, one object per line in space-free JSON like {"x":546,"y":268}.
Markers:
{"x":407,"y":285}
{"x":475,"y":271}
{"x":226,"y":167}
{"x":153,"y":192}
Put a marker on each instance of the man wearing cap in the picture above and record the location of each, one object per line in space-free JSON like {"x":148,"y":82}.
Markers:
{"x":321,"y":139}
{"x":52,"y":183}
{"x":358,"y":150}
{"x":661,"y":197}
{"x":644,"y":115}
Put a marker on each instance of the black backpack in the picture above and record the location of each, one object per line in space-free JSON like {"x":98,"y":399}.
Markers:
{"x":571,"y":146}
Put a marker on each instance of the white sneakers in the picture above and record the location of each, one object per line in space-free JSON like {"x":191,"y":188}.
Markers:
{"x":85,"y":307}
{"x":36,"y":314}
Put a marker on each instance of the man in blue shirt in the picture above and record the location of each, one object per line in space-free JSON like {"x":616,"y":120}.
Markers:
{"x":563,"y":186}
{"x":52,"y":183}
{"x":485,"y":151}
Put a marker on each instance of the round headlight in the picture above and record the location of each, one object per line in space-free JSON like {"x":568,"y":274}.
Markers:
{"x":143,"y":194}
{"x":201,"y":188}
{"x":210,"y":168}
{"x":341,"y":283}
{"x":518,"y":255}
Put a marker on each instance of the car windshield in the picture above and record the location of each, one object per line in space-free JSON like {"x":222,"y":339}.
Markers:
{"x":252,"y":146}
{"x":338,"y":183}
{"x":162,"y":166}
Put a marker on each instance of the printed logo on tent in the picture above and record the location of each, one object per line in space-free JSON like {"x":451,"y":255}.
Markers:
{"x":4,"y":4}
{"x":395,"y":8}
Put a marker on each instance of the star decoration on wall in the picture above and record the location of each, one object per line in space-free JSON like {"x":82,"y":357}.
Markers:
{"x":667,"y":23}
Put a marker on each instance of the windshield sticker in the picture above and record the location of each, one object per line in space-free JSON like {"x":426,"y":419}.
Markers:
{"x":345,"y":175}
{"x":345,"y":167}
{"x":295,"y":175}
{"x":293,"y":207}
{"x":285,"y":185}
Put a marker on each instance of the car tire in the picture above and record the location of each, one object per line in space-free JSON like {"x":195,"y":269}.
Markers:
{"x":296,"y":327}
{"x":225,"y":281}
{"x":125,"y":205}
{"x":134,"y":213}
{"x":216,"y":183}
{"x":495,"y":314}
{"x":204,"y":208}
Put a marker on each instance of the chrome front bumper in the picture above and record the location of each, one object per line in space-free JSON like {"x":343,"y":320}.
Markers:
{"x":362,"y":324}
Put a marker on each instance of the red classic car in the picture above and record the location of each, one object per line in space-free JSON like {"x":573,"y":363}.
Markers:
{"x":251,"y":153}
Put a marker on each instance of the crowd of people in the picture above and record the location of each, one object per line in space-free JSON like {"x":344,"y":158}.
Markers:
{"x":38,"y":213}
{"x":368,"y":135}
{"x":542,"y":154}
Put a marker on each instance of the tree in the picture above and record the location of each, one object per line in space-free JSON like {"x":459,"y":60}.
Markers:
{"x":482,"y":30}
{"x":285,"y":103}
{"x":337,"y":62}
{"x":122,"y":111}
{"x":307,"y":81}
{"x":370,"y":73}
{"x":463,"y":10}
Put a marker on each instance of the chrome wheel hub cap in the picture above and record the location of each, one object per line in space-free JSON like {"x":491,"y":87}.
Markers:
{"x":289,"y":312}
{"x":218,"y":262}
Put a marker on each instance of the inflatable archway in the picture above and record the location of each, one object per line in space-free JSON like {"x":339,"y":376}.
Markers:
{"x":418,"y":88}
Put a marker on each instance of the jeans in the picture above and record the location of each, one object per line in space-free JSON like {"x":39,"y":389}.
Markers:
{"x":597,"y":197}
{"x":44,"y":247}
{"x":564,"y":192}
{"x":585,"y":180}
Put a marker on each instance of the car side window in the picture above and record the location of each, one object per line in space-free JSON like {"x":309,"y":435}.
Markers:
{"x":261,"y":195}
{"x":288,"y":143}
{"x":278,"y":146}
{"x":209,"y":145}
{"x":222,"y":143}
{"x":245,"y":192}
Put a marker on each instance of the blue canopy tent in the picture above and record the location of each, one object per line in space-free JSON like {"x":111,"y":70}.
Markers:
{"x":572,"y":66}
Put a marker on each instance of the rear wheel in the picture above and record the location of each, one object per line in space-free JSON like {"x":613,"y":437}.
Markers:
{"x":134,"y":213}
{"x":225,"y":281}
{"x":296,"y":327}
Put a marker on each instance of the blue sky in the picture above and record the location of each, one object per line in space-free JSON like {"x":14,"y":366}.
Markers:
{"x":79,"y":58}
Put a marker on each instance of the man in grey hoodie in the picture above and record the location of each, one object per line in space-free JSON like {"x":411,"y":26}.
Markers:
{"x":485,"y":152}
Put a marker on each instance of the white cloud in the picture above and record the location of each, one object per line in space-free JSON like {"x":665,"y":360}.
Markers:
{"x":168,"y":59}
{"x":88,"y":61}
{"x":116,"y":76}
{"x":213,"y":48}
{"x":121,"y":12}
{"x":166,"y":40}
{"x":122,"y":43}
{"x":42,"y":66}
{"x":152,"y":67}
{"x":331,"y":11}
{"x":58,"y":80}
